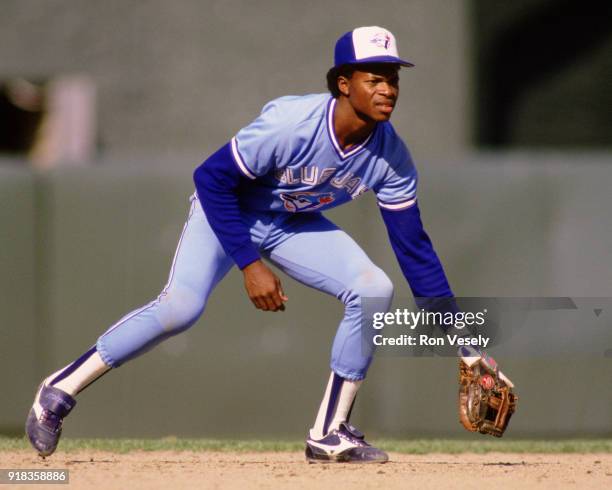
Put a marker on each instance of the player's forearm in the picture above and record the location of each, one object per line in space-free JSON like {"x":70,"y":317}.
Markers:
{"x":216,"y":181}
{"x":416,"y":255}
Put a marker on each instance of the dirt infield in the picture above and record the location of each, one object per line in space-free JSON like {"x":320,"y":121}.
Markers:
{"x":161,"y":470}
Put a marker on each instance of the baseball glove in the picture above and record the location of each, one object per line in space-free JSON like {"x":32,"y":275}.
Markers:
{"x":486,"y":399}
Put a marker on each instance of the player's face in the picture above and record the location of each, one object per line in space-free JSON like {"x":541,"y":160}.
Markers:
{"x":373,"y":93}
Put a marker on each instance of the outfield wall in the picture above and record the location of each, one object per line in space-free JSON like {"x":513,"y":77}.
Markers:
{"x":81,"y":247}
{"x":171,"y":75}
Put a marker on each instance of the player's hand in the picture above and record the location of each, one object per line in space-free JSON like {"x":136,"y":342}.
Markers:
{"x":264,"y":287}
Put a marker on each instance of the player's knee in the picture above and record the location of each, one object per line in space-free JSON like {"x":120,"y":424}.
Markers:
{"x":383,"y":286}
{"x":180,"y":308}
{"x":373,"y":283}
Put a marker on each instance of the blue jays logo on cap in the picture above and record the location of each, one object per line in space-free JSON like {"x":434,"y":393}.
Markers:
{"x":371,"y":44}
{"x":381,"y":40}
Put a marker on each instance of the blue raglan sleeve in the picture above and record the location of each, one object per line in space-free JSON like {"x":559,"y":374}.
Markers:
{"x":397,"y":199}
{"x":250,"y":154}
{"x":216,"y":182}
{"x":415,"y":253}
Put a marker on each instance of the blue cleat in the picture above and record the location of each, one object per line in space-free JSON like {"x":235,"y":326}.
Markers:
{"x":44,"y":423}
{"x":344,"y":445}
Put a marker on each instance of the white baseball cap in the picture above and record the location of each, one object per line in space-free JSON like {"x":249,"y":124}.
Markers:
{"x":371,"y":44}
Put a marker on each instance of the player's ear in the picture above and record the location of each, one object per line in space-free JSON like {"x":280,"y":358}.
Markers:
{"x":343,"y":85}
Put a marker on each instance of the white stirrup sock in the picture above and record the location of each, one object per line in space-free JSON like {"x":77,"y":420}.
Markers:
{"x":336,"y":405}
{"x":79,"y":374}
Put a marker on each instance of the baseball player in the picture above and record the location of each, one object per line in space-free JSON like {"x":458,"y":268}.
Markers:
{"x":260,"y":196}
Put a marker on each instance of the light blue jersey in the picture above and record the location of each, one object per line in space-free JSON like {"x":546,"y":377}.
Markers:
{"x":291,"y":153}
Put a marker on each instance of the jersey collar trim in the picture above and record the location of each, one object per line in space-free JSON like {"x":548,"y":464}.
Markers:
{"x":331,"y":106}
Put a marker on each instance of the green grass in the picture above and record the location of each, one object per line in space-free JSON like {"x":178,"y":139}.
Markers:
{"x":417,"y":446}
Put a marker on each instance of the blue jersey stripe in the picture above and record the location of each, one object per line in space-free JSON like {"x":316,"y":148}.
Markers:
{"x":239,"y":160}
{"x":331,"y":107}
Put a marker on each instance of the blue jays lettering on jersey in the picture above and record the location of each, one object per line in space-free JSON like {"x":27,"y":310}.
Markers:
{"x":291,"y":155}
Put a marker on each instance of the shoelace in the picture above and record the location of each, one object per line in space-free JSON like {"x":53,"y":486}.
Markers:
{"x":50,"y":420}
{"x":352,"y":439}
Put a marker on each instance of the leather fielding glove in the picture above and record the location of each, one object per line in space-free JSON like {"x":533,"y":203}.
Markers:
{"x":486,"y":397}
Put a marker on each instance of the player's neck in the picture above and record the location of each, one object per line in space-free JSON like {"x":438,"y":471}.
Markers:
{"x":349,"y":127}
